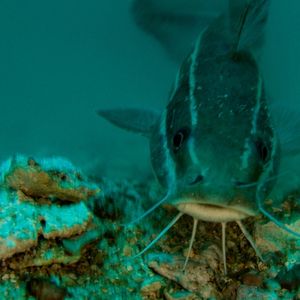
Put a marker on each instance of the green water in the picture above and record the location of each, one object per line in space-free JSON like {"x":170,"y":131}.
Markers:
{"x":60,"y":61}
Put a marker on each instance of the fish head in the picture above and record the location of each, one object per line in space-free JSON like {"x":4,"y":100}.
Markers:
{"x":214,"y":149}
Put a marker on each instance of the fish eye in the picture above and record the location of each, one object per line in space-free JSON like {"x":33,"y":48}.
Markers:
{"x":263,"y":150}
{"x":180,"y":137}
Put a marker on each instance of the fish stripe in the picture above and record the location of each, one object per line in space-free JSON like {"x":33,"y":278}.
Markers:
{"x":169,"y":164}
{"x":257,"y":107}
{"x":270,"y":166}
{"x":246,"y":154}
{"x":256,"y":111}
{"x":192,"y":81}
{"x":193,"y":100}
{"x":176,"y":83}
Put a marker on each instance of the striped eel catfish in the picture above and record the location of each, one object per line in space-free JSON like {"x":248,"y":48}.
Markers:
{"x":214,"y":148}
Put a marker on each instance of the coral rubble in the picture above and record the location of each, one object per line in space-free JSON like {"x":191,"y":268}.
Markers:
{"x":65,"y":236}
{"x":41,"y":201}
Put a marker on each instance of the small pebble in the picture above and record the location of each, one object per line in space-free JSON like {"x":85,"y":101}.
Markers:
{"x":150,"y":287}
{"x":252,"y":279}
{"x":5,"y":277}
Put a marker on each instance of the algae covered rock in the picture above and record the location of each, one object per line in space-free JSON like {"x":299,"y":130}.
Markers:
{"x":51,"y":179}
{"x":41,"y":198}
{"x":59,"y":234}
{"x":199,"y":274}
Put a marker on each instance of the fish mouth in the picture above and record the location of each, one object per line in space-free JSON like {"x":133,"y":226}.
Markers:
{"x":212,"y":212}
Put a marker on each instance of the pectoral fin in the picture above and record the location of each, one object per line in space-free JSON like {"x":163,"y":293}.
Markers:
{"x":135,"y":120}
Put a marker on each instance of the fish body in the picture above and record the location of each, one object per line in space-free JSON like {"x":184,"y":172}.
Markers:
{"x":216,"y":133}
{"x":214,"y":148}
{"x":215,"y":137}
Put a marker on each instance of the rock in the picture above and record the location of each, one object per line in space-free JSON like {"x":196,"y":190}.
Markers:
{"x":47,"y":180}
{"x":290,"y":279}
{"x":181,"y":295}
{"x":47,"y":252}
{"x":252,"y":279}
{"x":45,"y":290}
{"x":24,"y":217}
{"x":12,"y":290}
{"x":22,"y":223}
{"x":270,"y":238}
{"x":151,"y":288}
{"x":252,"y":293}
{"x":199,"y":274}
{"x":76,"y":244}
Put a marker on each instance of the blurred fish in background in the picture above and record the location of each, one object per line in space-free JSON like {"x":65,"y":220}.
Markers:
{"x":175,"y":24}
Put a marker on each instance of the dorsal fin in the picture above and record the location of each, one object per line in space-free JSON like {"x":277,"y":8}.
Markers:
{"x":247,"y":24}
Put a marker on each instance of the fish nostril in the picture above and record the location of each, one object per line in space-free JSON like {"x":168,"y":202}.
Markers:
{"x":243,"y":184}
{"x":198,"y":179}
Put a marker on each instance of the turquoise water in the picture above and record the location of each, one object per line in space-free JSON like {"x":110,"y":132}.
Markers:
{"x":61,"y":61}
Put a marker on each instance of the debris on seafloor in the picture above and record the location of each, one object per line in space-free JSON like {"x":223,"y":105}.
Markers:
{"x":62,"y":236}
{"x":44,"y":203}
{"x":278,"y":277}
{"x":60,"y":232}
{"x":46,"y":290}
{"x":198,"y":275}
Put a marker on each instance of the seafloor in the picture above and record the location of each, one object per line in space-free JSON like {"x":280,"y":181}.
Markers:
{"x":64,"y":235}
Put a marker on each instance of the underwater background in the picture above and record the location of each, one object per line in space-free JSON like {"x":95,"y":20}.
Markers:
{"x":61,"y":61}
